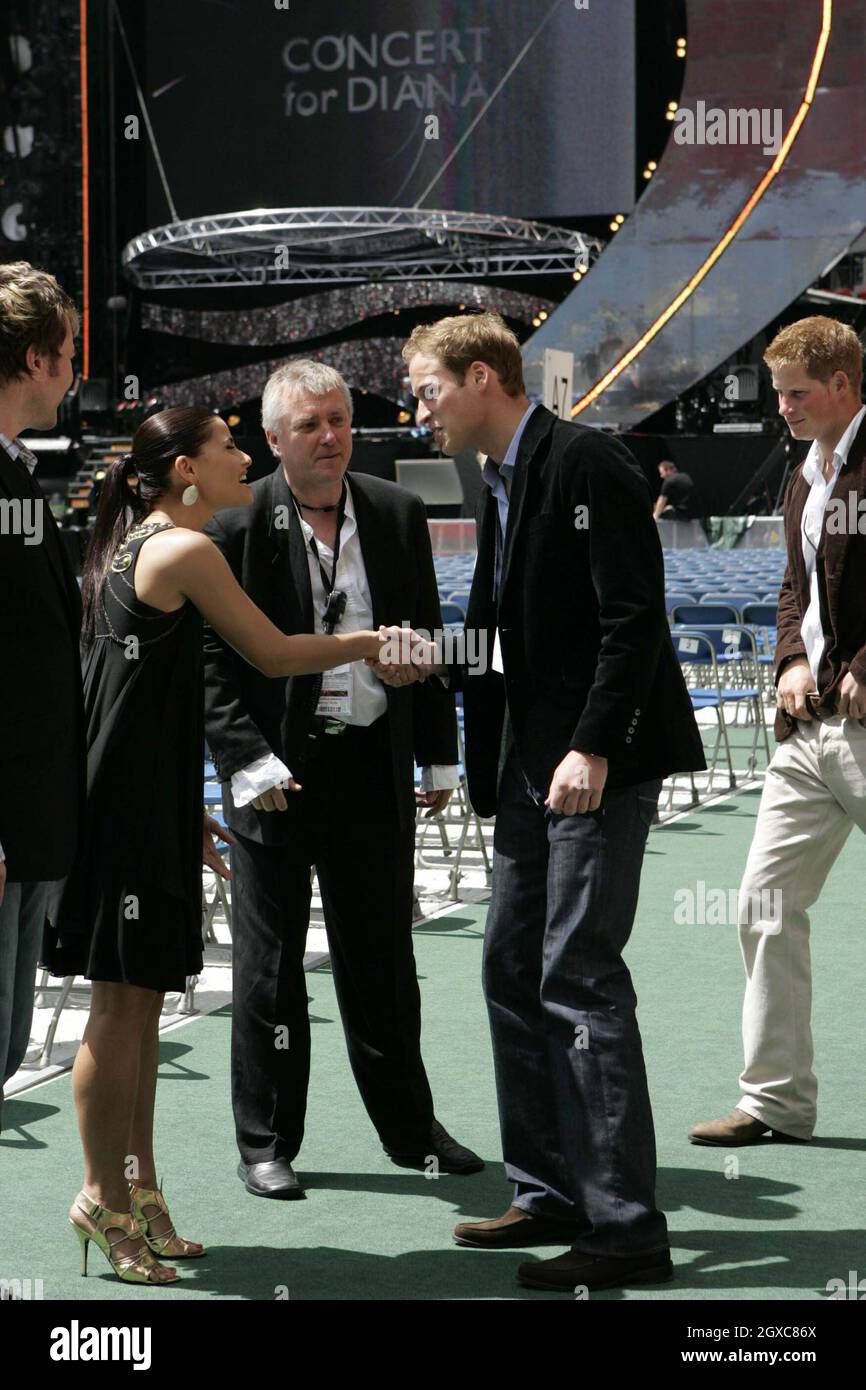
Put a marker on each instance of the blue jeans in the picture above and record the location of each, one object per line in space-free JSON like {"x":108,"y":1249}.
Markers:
{"x":22,"y":917}
{"x":577,"y":1130}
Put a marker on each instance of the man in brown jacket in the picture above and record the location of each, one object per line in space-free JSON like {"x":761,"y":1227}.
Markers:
{"x":815,"y":789}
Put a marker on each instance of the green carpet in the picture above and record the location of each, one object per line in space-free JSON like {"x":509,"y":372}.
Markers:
{"x":789,"y":1220}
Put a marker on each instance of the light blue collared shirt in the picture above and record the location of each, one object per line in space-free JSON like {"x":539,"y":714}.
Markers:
{"x":495,"y":479}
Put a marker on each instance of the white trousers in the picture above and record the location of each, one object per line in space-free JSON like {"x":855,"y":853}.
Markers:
{"x":815,"y":792}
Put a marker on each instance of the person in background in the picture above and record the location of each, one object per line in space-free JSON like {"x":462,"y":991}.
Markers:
{"x":42,"y":748}
{"x":674,"y":501}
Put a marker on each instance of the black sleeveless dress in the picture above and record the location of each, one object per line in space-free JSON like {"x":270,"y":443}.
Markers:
{"x":130,"y":910}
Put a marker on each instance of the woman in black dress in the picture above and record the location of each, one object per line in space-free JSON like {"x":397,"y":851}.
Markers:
{"x":129,"y":916}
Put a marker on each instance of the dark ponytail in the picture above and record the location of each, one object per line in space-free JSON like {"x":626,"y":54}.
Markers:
{"x":157,"y":442}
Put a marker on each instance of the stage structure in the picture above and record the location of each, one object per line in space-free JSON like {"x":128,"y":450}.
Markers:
{"x":330,"y":311}
{"x":288,"y":246}
{"x":43,"y":138}
{"x":759,"y":191}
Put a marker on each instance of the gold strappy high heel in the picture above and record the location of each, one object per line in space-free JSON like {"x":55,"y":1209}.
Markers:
{"x":136,"y":1268}
{"x":169,"y":1245}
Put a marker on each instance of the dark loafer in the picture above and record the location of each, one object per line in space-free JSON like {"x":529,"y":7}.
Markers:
{"x":450,"y":1156}
{"x":273,"y":1179}
{"x":575,"y":1270}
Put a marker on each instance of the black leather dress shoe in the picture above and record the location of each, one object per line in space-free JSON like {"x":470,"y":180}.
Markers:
{"x":273,"y":1179}
{"x":450,"y":1156}
{"x":575,"y":1270}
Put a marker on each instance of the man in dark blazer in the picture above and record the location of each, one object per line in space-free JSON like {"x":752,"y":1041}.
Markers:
{"x":42,"y":766}
{"x":344,"y":748}
{"x":814,"y":792}
{"x":570,"y":730}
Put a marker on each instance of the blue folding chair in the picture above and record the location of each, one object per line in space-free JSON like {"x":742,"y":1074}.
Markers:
{"x":733,"y":598}
{"x":221,"y":896}
{"x":761,"y":618}
{"x":459,"y":813}
{"x":460,"y":596}
{"x":469,"y":819}
{"x":696,"y":654}
{"x":452,"y":615}
{"x":673,"y":599}
{"x":735,"y":654}
{"x":701,"y":615}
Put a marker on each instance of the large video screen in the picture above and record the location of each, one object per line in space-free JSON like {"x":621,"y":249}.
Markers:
{"x":517,"y":107}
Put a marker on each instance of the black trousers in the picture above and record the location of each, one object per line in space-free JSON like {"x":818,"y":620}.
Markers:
{"x":346,"y":823}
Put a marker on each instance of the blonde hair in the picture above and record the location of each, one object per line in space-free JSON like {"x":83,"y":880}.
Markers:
{"x":316,"y":377}
{"x":34,"y":312}
{"x":821,"y":346}
{"x":459,"y":341}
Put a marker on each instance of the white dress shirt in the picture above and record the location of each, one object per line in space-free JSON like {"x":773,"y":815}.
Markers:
{"x":820,"y":491}
{"x":369,"y":700}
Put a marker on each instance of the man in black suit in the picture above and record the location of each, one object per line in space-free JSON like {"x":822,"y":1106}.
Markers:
{"x":42,"y":750}
{"x":569,"y":732}
{"x":314,"y":548}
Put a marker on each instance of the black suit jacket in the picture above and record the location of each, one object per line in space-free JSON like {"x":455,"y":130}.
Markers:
{"x":42,"y":747}
{"x":248,"y":714}
{"x":589,"y":663}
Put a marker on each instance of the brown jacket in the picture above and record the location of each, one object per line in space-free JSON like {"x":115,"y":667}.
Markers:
{"x":841,"y":569}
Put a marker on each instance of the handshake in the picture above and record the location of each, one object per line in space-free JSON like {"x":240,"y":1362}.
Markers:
{"x":404,"y":656}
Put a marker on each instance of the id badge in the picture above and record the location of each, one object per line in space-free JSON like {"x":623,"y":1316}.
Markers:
{"x":335,"y":700}
{"x":497,"y":655}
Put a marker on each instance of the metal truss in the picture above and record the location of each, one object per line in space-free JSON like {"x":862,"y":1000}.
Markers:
{"x":284,"y":246}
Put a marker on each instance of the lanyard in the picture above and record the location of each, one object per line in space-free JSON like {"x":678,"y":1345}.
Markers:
{"x":328,"y":583}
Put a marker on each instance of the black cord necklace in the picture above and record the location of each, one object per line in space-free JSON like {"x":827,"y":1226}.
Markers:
{"x":305,"y":506}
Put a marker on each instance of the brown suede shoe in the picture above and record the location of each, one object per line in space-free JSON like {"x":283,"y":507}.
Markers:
{"x":738,"y":1128}
{"x":515,"y":1230}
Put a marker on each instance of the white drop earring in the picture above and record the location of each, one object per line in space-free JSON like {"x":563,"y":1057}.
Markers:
{"x":189,"y":496}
